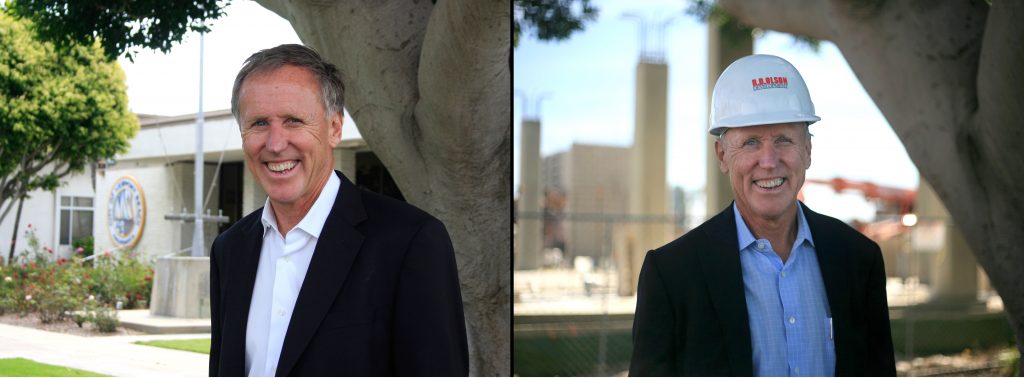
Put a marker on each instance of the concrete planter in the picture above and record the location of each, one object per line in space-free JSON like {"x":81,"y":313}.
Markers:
{"x":181,"y":288}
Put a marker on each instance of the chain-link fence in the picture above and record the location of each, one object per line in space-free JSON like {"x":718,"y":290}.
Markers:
{"x":574,"y":306}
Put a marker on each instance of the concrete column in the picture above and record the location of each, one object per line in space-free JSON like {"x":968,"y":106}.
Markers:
{"x":649,"y":188}
{"x":726,"y":44}
{"x":253,"y":195}
{"x":345,"y":161}
{"x":181,"y":288}
{"x":529,"y":229}
{"x":954,"y":279}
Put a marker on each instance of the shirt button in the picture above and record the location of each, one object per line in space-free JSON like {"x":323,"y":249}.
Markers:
{"x":783,"y":274}
{"x":760,"y":245}
{"x":281,"y":313}
{"x":792,"y":320}
{"x":796,"y":370}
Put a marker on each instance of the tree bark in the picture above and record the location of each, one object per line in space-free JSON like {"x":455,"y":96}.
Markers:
{"x":14,"y":236}
{"x":430,"y":88}
{"x":947,"y":76}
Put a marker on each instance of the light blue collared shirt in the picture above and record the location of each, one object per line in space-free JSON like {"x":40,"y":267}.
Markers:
{"x":790,"y":321}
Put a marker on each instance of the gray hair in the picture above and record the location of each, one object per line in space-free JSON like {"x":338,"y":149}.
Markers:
{"x":332,"y":90}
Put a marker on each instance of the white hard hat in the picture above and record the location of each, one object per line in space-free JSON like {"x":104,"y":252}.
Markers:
{"x":759,"y":90}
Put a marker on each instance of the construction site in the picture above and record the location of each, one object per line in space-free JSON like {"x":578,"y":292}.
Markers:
{"x":585,"y":218}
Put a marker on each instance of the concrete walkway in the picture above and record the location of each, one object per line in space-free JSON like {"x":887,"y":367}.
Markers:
{"x":111,"y":355}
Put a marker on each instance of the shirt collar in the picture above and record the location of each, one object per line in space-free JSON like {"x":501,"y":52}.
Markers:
{"x":746,"y":238}
{"x":316,"y":217}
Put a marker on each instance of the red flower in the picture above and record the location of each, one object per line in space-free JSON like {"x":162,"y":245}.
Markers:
{"x":138,"y":296}
{"x":61,"y":261}
{"x":148,"y":278}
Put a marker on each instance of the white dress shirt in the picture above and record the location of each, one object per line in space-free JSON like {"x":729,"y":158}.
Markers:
{"x":282,"y":268}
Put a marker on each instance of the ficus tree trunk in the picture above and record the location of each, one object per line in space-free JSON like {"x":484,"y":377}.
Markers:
{"x":949,"y":78}
{"x":429,"y":86}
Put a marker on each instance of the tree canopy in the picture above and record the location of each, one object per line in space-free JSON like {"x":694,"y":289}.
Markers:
{"x":120,"y":26}
{"x":59,"y":112}
{"x":551,"y":19}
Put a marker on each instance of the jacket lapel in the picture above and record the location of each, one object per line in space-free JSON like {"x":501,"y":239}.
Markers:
{"x":248,"y":257}
{"x":830,"y":262}
{"x":332,"y":258}
{"x":835,"y":272}
{"x":721,"y":265}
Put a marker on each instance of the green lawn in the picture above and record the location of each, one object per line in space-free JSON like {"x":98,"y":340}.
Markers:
{"x":191,"y":345}
{"x":20,"y":367}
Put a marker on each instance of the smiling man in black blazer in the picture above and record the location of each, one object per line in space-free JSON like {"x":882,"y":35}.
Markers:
{"x":767,"y":287}
{"x":326,"y":279}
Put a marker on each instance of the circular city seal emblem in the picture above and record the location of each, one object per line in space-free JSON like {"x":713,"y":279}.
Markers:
{"x":126,"y":212}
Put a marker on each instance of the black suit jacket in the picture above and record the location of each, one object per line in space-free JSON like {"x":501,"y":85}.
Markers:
{"x":691,"y":312}
{"x":381,"y":296}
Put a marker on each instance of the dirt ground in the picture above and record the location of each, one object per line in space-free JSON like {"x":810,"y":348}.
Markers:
{"x":982,"y":363}
{"x":66,"y":326}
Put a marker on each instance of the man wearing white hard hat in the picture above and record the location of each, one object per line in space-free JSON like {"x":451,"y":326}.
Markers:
{"x":767,"y":287}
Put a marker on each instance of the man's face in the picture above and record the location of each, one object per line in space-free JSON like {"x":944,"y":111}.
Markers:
{"x":286,"y":136}
{"x":766,"y":166}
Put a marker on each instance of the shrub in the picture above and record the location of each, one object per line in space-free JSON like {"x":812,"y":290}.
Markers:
{"x":61,"y":289}
{"x":105,"y":319}
{"x":8,"y":291}
{"x":83,"y":247}
{"x":1012,"y":365}
{"x":124,"y":279}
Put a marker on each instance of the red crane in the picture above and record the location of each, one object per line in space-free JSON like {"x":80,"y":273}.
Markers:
{"x":901,"y":200}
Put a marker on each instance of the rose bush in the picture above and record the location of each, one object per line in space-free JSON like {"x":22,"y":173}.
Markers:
{"x":84,"y":290}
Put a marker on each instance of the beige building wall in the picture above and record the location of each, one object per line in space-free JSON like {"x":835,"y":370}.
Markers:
{"x":596,"y":183}
{"x":42,"y":210}
{"x":159,"y":237}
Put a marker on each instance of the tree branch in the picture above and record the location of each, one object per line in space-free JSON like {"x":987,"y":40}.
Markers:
{"x":7,"y":209}
{"x":65,"y":172}
{"x":468,"y":40}
{"x":1000,"y":78}
{"x":810,"y":18}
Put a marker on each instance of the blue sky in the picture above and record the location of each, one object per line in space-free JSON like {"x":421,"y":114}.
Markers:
{"x":589,"y":81}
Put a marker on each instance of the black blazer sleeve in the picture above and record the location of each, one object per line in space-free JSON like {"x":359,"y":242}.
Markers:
{"x":429,"y":326}
{"x":883,"y":362}
{"x":216,"y":313}
{"x":653,"y":341}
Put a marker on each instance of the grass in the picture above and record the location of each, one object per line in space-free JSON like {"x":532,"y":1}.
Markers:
{"x":190,"y":345}
{"x":20,"y":367}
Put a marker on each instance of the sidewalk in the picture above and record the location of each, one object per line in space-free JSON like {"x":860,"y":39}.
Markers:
{"x":111,"y":355}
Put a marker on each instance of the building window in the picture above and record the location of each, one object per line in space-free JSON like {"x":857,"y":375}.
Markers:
{"x":75,"y":218}
{"x":372,"y":175}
